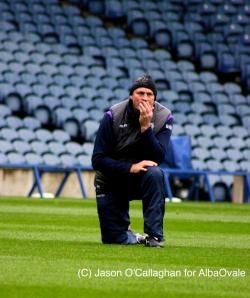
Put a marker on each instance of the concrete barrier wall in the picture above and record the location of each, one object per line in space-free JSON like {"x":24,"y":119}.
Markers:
{"x":18,"y":182}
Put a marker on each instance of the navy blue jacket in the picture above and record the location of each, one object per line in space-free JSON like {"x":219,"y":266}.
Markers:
{"x":150,"y":147}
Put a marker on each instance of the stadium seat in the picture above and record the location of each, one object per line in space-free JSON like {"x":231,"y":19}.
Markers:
{"x":73,"y":148}
{"x":234,"y":154}
{"x":240,"y":132}
{"x":9,"y":134}
{"x":61,"y":136}
{"x":71,"y":126}
{"x":84,"y":160}
{"x":3,"y":158}
{"x":44,"y":135}
{"x":57,"y":147}
{"x":89,"y":128}
{"x":6,"y":146}
{"x":39,"y":147}
{"x":51,"y":159}
{"x":43,"y":114}
{"x":16,"y":158}
{"x":218,"y":154}
{"x":14,"y":122}
{"x":4,"y":110}
{"x":22,"y":147}
{"x":68,"y":160}
{"x":88,"y":148}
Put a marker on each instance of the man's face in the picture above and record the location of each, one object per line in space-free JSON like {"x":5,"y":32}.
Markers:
{"x":141,"y":95}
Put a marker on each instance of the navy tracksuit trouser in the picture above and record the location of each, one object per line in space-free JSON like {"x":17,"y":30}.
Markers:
{"x":113,"y":205}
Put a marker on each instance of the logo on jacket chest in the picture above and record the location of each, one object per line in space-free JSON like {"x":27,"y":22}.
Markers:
{"x":123,"y":125}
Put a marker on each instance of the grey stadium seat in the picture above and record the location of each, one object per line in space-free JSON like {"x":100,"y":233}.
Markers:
{"x":61,"y":136}
{"x":9,"y":134}
{"x":51,"y":159}
{"x":16,"y":158}
{"x":22,"y":147}
{"x":27,"y":134}
{"x":6,"y":146}
{"x":33,"y":158}
{"x":84,"y":160}
{"x":73,"y":148}
{"x":68,"y":159}
{"x":44,"y":135}
{"x":31,"y":123}
{"x":3,"y":158}
{"x":90,"y":127}
{"x":88,"y":148}
{"x":4,"y":110}
{"x":57,"y":147}
{"x":14,"y":122}
{"x":39,"y":147}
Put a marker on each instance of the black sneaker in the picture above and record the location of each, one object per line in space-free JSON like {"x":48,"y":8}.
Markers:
{"x":151,"y":241}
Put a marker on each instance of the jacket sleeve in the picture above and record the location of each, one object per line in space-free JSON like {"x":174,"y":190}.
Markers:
{"x":103,"y":147}
{"x":156,"y":145}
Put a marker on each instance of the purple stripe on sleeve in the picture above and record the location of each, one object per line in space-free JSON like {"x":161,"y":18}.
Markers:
{"x":109,"y":113}
{"x":170,"y":117}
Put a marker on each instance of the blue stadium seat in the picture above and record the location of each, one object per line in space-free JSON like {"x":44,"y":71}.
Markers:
{"x":57,"y":147}
{"x":220,"y":142}
{"x":226,"y":108}
{"x":140,"y":27}
{"x":4,"y":110}
{"x":71,"y":126}
{"x":208,"y":131}
{"x":89,"y":129}
{"x":3,"y":123}
{"x":113,"y":9}
{"x":218,"y":154}
{"x":84,"y":160}
{"x":201,"y":153}
{"x":14,"y":122}
{"x":231,"y":166}
{"x":80,"y":114}
{"x":208,"y":77}
{"x":238,"y":143}
{"x":6,"y":146}
{"x":3,"y":158}
{"x":240,"y":131}
{"x":16,"y":158}
{"x":224,"y":131}
{"x":51,"y":159}
{"x":208,"y":61}
{"x":61,"y":136}
{"x":192,"y":130}
{"x":39,"y":147}
{"x":245,"y":165}
{"x":42,"y":113}
{"x":234,"y":155}
{"x":73,"y":148}
{"x":230,"y":120}
{"x":22,"y":147}
{"x":95,"y":114}
{"x":9,"y":134}
{"x":88,"y":148}
{"x":68,"y":160}
{"x":214,"y":165}
{"x":27,"y":135}
{"x":44,"y":135}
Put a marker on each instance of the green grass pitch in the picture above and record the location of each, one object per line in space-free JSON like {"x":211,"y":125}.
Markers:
{"x":49,"y":248}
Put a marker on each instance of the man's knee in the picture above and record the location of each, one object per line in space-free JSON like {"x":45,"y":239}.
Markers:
{"x":154,"y":173}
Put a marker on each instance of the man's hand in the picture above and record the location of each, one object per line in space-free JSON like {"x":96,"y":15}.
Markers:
{"x":146,"y":115}
{"x":142,"y":166}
